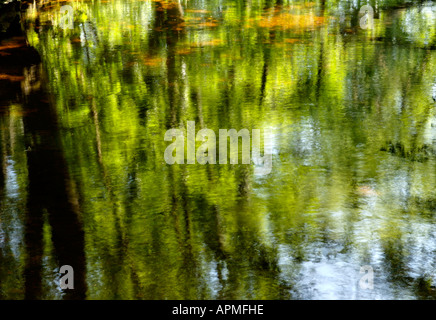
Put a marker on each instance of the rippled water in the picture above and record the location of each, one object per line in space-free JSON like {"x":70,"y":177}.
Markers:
{"x":353,"y":177}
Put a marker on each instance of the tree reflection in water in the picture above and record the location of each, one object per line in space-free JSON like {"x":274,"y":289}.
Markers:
{"x":83,"y":180}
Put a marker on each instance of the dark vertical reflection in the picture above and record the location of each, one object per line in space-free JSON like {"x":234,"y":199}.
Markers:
{"x":50,"y":189}
{"x":172,"y":18}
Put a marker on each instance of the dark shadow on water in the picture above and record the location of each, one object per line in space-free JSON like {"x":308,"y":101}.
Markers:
{"x":49,"y":185}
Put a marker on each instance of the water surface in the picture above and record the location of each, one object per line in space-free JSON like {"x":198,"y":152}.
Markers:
{"x":84,"y":181}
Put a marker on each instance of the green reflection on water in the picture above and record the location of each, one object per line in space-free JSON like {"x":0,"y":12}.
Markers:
{"x":353,"y":173}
